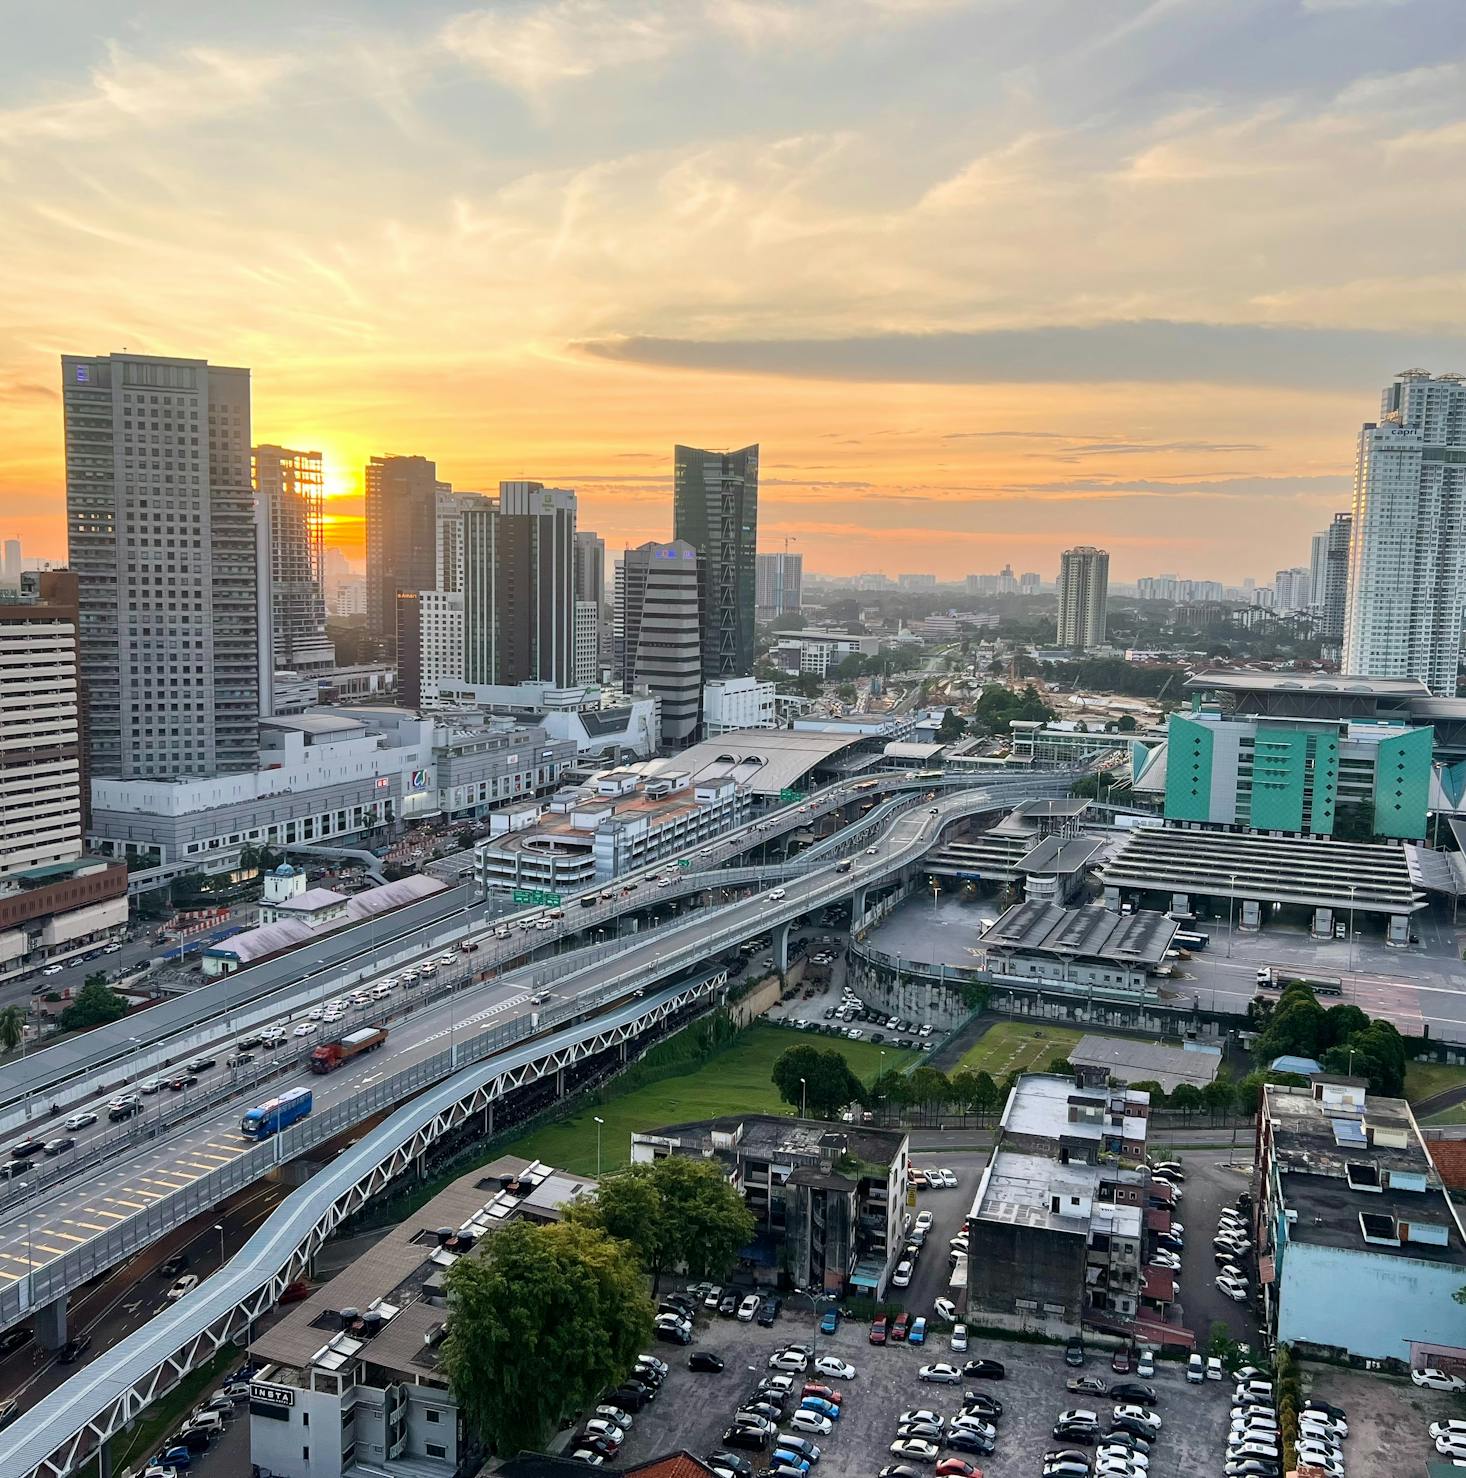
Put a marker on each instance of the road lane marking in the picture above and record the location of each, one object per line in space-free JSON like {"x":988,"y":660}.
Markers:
{"x":123,"y":1201}
{"x":110,"y":1215}
{"x":91,"y":1226}
{"x":70,"y":1236}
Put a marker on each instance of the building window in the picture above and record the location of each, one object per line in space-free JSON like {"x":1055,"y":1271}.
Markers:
{"x":432,"y":1414}
{"x":435,"y":1449}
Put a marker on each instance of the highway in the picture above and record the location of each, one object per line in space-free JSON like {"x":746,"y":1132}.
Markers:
{"x":50,"y":1221}
{"x":108,"y":1056}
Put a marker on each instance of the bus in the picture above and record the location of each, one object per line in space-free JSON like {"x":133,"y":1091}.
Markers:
{"x":929,"y":775}
{"x":865,"y":785}
{"x":276,"y":1114}
{"x":1186,"y":939}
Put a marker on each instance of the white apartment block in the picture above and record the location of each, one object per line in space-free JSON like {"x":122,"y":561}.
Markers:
{"x":817,"y":651}
{"x":1084,"y":582}
{"x":440,"y":642}
{"x":737,"y":703}
{"x":587,"y":641}
{"x":1407,"y":549}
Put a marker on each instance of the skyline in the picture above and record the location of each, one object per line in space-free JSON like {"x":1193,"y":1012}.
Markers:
{"x":985,"y":281}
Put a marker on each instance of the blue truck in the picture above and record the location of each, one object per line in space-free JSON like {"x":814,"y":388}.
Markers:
{"x":276,"y":1114}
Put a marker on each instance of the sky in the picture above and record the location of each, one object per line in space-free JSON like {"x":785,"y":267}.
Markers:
{"x":984,"y":278}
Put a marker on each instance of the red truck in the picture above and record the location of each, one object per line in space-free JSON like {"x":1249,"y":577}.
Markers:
{"x":330,"y":1055}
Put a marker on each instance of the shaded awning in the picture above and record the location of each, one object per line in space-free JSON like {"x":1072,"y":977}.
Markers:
{"x":1159,"y":1285}
{"x":1157,"y":1219}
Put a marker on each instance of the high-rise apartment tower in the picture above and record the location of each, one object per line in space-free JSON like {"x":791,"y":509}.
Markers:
{"x":658,"y":629}
{"x":402,"y":550}
{"x":164,"y":543}
{"x":1084,"y":581}
{"x":291,"y":489}
{"x":715,"y":509}
{"x":780,"y":578}
{"x":1407,"y":547}
{"x":1330,"y":587}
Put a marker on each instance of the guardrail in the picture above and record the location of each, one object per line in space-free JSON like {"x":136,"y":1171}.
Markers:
{"x":53,"y":1279}
{"x":65,"y":1426}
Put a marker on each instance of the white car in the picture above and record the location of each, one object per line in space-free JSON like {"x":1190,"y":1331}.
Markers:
{"x":972,"y":1421}
{"x":924,"y":1219}
{"x":789,"y":1360}
{"x":776,"y":895}
{"x":871,"y":851}
{"x":1234,"y":1290}
{"x":959,"y":1339}
{"x":1214,"y":1369}
{"x":901,"y":1278}
{"x":1454,"y":1427}
{"x":186,"y":1284}
{"x":152,"y":1085}
{"x":1321,"y":1457}
{"x":1437,"y":1380}
{"x":835,"y":1368}
{"x":811,"y":1421}
{"x":600,"y":1427}
{"x":1111,"y":1450}
{"x":941,"y":1373}
{"x":914,"y":1449}
{"x":81,"y":1120}
{"x":1141,"y":1414}
{"x":748,"y":1308}
{"x":305,"y":1029}
{"x":1451,"y":1446}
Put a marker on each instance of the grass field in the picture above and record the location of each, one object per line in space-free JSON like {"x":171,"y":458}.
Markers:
{"x":1422,"y":1079}
{"x":1017,"y":1046}
{"x":734,"y":1081}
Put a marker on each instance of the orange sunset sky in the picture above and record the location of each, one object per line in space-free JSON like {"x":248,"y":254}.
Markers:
{"x":984,"y":278}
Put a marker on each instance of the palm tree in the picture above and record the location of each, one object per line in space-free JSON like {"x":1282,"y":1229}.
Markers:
{"x":12,"y":1028}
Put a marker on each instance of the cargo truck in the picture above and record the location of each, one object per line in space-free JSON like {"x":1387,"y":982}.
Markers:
{"x":331,"y":1055}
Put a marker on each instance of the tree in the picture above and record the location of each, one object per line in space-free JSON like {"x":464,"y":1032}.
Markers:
{"x":1061,"y":1066}
{"x":12,"y":1028}
{"x":1188,"y":1098}
{"x":930,"y":1088}
{"x":986,"y":1095}
{"x":1157,"y":1093}
{"x":1295,"y":1028}
{"x":93,"y":1005}
{"x":674,"y":1212}
{"x":828,"y":1084}
{"x":542,"y":1321}
{"x":1125,"y":724}
{"x":951,"y":727}
{"x":1340,"y":1023}
{"x":1219,"y":1096}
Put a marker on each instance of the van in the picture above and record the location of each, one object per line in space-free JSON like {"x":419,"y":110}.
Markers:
{"x":1196,"y":1370}
{"x":207,"y":1421}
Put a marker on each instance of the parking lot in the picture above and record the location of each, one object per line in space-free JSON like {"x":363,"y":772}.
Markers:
{"x":1210,"y":1184}
{"x":1388,"y":1419}
{"x":693,"y":1410}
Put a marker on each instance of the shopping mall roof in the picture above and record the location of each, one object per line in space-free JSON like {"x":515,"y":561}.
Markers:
{"x":765,"y":760}
{"x":1314,"y":872}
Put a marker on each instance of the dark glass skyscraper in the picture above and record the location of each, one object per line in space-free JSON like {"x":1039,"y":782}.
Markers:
{"x":715,"y":509}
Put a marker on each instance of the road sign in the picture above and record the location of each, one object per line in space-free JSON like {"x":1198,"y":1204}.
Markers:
{"x":684,"y":862}
{"x":791,"y":795}
{"x":536,"y":896}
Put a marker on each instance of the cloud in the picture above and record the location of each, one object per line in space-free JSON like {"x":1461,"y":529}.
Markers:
{"x":131,"y":91}
{"x":533,"y":47}
{"x":1133,"y":352}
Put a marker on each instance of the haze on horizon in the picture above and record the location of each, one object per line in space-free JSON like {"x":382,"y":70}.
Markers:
{"x":984,"y":278}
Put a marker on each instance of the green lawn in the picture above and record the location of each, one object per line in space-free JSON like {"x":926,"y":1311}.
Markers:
{"x":1017,"y":1046}
{"x":1455,"y":1115}
{"x":734,"y":1081}
{"x":1422,"y":1079}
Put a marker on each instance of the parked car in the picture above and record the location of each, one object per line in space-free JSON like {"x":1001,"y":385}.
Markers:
{"x":941,"y":1373}
{"x":984,"y":1370}
{"x":1437,"y":1380}
{"x":706,"y":1361}
{"x":878,"y":1331}
{"x":1074,"y":1352}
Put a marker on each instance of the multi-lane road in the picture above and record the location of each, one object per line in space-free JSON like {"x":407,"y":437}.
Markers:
{"x":51,"y":1220}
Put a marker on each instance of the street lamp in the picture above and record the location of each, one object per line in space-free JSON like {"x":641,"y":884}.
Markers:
{"x":815,"y":1300}
{"x":219,"y":1227}
{"x":1231,"y":908}
{"x":936,"y":889}
{"x":599,"y":1123}
{"x":803,"y":1095}
{"x":1353,"y":889}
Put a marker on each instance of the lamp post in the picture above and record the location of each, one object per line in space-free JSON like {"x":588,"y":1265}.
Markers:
{"x":599,"y":1124}
{"x":936,"y":890}
{"x":803,"y":1095}
{"x":219,"y":1227}
{"x":1353,"y":889}
{"x":1231,"y":909}
{"x":815,"y":1300}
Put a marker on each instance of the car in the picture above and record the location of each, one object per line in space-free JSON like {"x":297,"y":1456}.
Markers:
{"x":1134,"y":1391}
{"x":739,"y":1435}
{"x":1121,"y":1361}
{"x":73,"y":1350}
{"x":179,"y":1081}
{"x":1127,"y":1440}
{"x":1332,"y":1462}
{"x":788,"y":1442}
{"x":813,"y":1388}
{"x":768,"y":1311}
{"x":1451,"y":1445}
{"x":1066,"y":1468}
{"x":173,"y":1457}
{"x":968,"y":1439}
{"x":917,"y":1336}
{"x":1432,"y":1379}
{"x":927,"y":1431}
{"x":830,"y":1409}
{"x":706,"y":1361}
{"x":306,"y":1029}
{"x":958,"y":1340}
{"x":944,"y":1308}
{"x":728,"y":1304}
{"x":898,"y":1470}
{"x":32,"y":1144}
{"x":940,"y":1373}
{"x":878,"y":1330}
{"x":82,"y":1120}
{"x":739,"y":1466}
{"x":60,"y":1145}
{"x":1322,"y":1432}
{"x":789,"y":1360}
{"x":899,"y":1326}
{"x":673,"y":1334}
{"x":776,"y":895}
{"x":901,"y":1278}
{"x":748,"y":1308}
{"x":955,"y":1467}
{"x":587,"y":1455}
{"x":14,"y":1338}
{"x":921,"y":1414}
{"x":834,"y":1367}
{"x":52,"y":969}
{"x":805,"y":1420}
{"x":1085,"y":1385}
{"x":630,"y":1397}
{"x":984,"y":1370}
{"x":186,"y":1284}
{"x":915,"y":1449}
{"x":1338,"y":1414}
{"x":1074,"y":1352}
{"x":1107,"y":1450}
{"x":1234,"y":1290}
{"x":1134,"y":1412}
{"x":970,"y":1421}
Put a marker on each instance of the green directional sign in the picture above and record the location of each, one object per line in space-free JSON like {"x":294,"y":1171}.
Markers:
{"x":536,"y":896}
{"x":791,"y":795}
{"x":684,"y":862}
